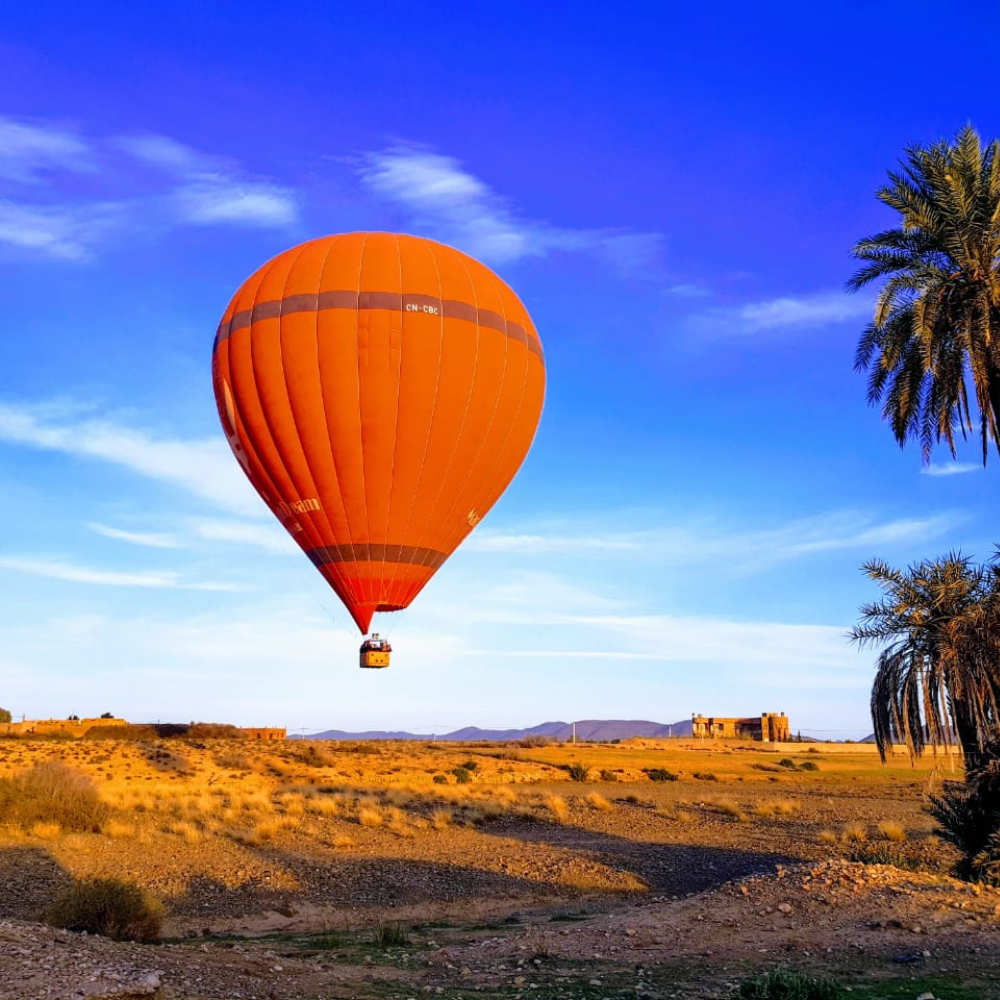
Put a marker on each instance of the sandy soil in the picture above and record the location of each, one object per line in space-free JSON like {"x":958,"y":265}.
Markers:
{"x":279,"y":865}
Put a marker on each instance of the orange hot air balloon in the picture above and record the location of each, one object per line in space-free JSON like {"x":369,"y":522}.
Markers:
{"x":380,"y":393}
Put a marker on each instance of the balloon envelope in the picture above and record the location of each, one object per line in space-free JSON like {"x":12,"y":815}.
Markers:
{"x":380,"y":392}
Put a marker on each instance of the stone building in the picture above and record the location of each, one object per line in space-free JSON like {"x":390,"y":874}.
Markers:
{"x":769,"y":727}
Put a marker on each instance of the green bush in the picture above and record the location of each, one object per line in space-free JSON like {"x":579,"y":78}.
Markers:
{"x":462,"y":775}
{"x":782,"y":985}
{"x":110,"y":907}
{"x":808,"y":765}
{"x":608,"y":776}
{"x":659,"y":774}
{"x":577,"y":771}
{"x":789,"y":763}
{"x":51,"y":792}
{"x":5,"y":715}
{"x":469,"y":765}
{"x":439,"y":779}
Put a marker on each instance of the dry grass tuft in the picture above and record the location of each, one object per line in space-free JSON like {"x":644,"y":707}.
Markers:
{"x":558,"y":810}
{"x":854,"y":833}
{"x":827,"y":837}
{"x":117,"y":830}
{"x":597,"y":801}
{"x":441,"y":819}
{"x":730,"y":808}
{"x":891,"y":830}
{"x":370,"y":817}
{"x":46,"y":830}
{"x":772,"y":808}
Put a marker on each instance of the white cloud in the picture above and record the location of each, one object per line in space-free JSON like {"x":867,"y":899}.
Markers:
{"x":225,"y":200}
{"x":706,"y":541}
{"x":441,"y":197}
{"x":65,"y":233}
{"x":205,"y":468}
{"x":950,"y":469}
{"x":55,"y":569}
{"x":166,"y":154}
{"x":265,"y":536}
{"x":786,"y":312}
{"x":28,"y":150}
{"x":213,"y":190}
{"x":189,"y":188}
{"x":153,"y":540}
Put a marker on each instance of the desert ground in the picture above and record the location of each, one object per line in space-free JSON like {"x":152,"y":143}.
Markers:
{"x":309,"y":869}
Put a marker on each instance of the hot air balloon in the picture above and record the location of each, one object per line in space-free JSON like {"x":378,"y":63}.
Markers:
{"x":380,"y":392}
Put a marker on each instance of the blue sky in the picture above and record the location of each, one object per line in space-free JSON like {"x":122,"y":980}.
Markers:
{"x":672,"y":193}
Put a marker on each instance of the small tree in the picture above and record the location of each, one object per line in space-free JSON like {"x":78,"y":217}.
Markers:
{"x":5,"y":715}
{"x":106,"y":715}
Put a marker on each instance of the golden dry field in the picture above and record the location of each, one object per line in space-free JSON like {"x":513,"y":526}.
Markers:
{"x":320,"y":869}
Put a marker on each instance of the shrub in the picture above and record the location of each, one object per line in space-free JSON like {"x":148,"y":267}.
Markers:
{"x":782,"y":985}
{"x":110,"y":907}
{"x":51,"y":792}
{"x":577,"y":771}
{"x":536,"y":740}
{"x":389,"y":934}
{"x":462,"y":775}
{"x":808,"y":765}
{"x":233,"y":760}
{"x":882,"y":855}
{"x":659,"y":774}
{"x":705,"y":776}
{"x":469,"y":765}
{"x":5,"y":715}
{"x":608,"y":776}
{"x":789,"y":763}
{"x":439,"y":779}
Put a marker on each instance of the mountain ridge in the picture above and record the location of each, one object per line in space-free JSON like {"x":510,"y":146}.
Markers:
{"x":583,"y":729}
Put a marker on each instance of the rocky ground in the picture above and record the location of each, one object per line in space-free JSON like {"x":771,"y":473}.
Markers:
{"x":626,"y":888}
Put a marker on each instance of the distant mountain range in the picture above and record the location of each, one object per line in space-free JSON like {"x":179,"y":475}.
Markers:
{"x":562,"y":732}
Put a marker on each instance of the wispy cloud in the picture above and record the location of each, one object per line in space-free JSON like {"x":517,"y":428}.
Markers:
{"x":258,"y":535}
{"x":212,"y":189}
{"x":443,"y":199}
{"x":41,"y":215}
{"x":153,"y":540}
{"x":784,"y":313}
{"x":62,"y":232}
{"x":705,"y":541}
{"x":950,"y":468}
{"x":28,"y":150}
{"x":204,"y":468}
{"x":55,"y":569}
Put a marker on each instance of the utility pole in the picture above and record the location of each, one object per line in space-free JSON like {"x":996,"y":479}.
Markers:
{"x":574,"y":732}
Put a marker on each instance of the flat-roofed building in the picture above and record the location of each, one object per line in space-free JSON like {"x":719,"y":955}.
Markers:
{"x":769,"y":727}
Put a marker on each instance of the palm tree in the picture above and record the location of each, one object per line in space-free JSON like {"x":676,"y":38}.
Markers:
{"x":939,"y":624}
{"x":936,"y":328}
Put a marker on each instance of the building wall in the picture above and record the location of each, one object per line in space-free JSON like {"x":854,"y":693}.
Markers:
{"x":769,"y":727}
{"x":75,"y":728}
{"x":256,"y":733}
